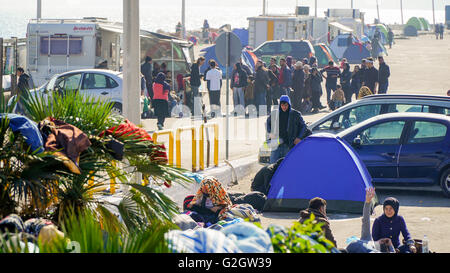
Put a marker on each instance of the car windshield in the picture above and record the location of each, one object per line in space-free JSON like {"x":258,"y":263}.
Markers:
{"x":51,"y":83}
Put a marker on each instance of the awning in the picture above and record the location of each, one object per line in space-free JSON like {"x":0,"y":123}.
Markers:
{"x":111,"y":28}
{"x":341,"y":26}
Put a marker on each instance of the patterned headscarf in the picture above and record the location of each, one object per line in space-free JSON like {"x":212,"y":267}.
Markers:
{"x":364,"y":91}
{"x":211,"y":187}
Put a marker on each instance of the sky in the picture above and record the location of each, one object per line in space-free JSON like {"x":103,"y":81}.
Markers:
{"x":165,"y":14}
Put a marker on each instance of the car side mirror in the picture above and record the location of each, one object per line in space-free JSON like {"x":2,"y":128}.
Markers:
{"x":356,"y":142}
{"x":336,"y":125}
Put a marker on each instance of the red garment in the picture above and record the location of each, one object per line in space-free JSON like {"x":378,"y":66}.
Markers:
{"x":129,"y":129}
{"x":281,"y":77}
{"x":159,"y":93}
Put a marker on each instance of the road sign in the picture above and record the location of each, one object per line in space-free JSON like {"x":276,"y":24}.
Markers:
{"x":234,"y":45}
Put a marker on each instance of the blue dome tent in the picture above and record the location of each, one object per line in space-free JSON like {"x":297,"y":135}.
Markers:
{"x":355,"y":53}
{"x":242,"y":33}
{"x":336,"y":174}
{"x":339,"y":45}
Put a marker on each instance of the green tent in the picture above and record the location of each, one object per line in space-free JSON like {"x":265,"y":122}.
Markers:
{"x":415,"y":22}
{"x":383,"y":29}
{"x":324,"y":55}
{"x":425,"y":24}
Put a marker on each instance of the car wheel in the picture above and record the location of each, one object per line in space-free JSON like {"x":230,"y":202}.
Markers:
{"x":445,"y":182}
{"x":117,"y":108}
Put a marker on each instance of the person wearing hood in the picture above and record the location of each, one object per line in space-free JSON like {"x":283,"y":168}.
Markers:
{"x":287,"y":126}
{"x":161,"y":91}
{"x":318,"y":207}
{"x":390,"y":225}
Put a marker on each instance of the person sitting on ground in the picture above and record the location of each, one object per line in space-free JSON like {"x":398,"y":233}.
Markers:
{"x":261,"y":182}
{"x":390,"y":224}
{"x":364,"y":91}
{"x":366,"y":244}
{"x":318,"y":207}
{"x":338,"y":98}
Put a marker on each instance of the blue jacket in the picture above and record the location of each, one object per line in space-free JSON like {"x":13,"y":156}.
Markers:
{"x":385,"y":227}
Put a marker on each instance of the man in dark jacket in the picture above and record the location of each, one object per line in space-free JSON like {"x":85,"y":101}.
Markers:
{"x":370,"y":76}
{"x":287,"y":127}
{"x":318,"y":207}
{"x":147,"y":71}
{"x":384,"y":73}
{"x":195,"y":84}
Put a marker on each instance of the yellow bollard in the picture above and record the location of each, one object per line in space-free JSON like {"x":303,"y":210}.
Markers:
{"x":146,"y":181}
{"x":202,"y":142}
{"x":194,"y":147}
{"x":170,"y":134}
{"x":91,"y":182}
{"x":112,"y":181}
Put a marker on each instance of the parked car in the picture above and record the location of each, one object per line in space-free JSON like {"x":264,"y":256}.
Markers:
{"x":404,"y":148}
{"x":360,"y":110}
{"x":298,"y":49}
{"x":102,"y":84}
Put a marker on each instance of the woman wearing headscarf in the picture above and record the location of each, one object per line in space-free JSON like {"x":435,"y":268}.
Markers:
{"x":161,"y":91}
{"x":364,"y":91}
{"x":390,"y":225}
{"x":298,"y":84}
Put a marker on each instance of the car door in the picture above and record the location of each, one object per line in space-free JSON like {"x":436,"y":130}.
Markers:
{"x":96,"y":85}
{"x":379,"y":149}
{"x":423,"y":151}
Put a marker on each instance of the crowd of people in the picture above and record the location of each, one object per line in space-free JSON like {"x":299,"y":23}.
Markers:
{"x":301,"y":81}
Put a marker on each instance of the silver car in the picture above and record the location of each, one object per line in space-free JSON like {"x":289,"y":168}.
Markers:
{"x":98,"y":83}
{"x":363,"y":109}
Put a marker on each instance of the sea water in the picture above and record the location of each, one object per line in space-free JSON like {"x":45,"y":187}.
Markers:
{"x":164,"y":15}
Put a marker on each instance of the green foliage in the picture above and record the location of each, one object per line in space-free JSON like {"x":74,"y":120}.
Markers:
{"x":302,"y":238}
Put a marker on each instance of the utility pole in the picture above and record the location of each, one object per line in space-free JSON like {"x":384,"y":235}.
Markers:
{"x":315,"y":8}
{"x":39,"y":9}
{"x":264,"y":7}
{"x":131,"y":62}
{"x":183,"y":18}
{"x":401,"y":9}
{"x":378,"y":12}
{"x":434,"y":18}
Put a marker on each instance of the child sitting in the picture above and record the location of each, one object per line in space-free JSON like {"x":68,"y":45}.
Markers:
{"x":337,"y":100}
{"x":390,"y":224}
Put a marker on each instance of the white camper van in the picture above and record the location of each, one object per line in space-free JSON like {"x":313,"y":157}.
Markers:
{"x":58,"y":45}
